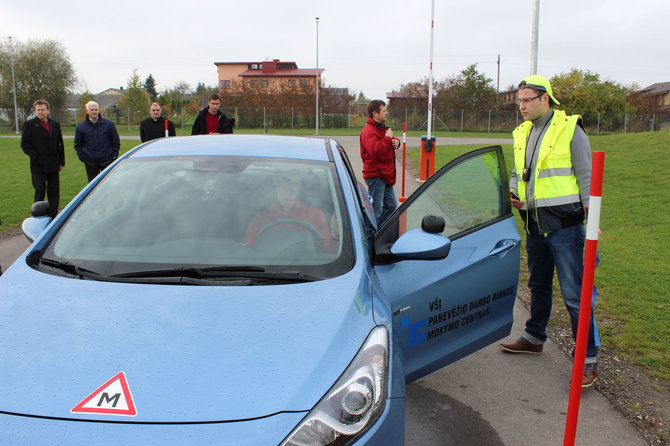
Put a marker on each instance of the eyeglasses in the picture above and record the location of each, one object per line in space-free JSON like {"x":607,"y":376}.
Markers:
{"x":527,"y":100}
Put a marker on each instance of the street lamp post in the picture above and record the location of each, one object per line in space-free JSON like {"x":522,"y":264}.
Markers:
{"x":317,"y":77}
{"x":534,"y":35}
{"x":11,"y":63}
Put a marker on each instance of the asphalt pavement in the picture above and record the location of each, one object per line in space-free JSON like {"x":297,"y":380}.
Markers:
{"x":490,"y":398}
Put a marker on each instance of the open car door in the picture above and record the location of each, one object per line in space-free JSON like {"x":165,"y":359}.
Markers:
{"x":446,"y":307}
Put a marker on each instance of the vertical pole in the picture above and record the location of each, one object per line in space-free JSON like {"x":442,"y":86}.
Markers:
{"x":462,"y":113}
{"x":166,"y":128}
{"x":488,"y":130}
{"x":430,"y":70}
{"x":534,"y":33}
{"x":653,"y":121}
{"x":404,"y":160}
{"x":598,"y":127}
{"x":625,"y":122}
{"x":498,"y":81}
{"x":592,"y":232}
{"x":317,"y":77}
{"x":16,"y":109}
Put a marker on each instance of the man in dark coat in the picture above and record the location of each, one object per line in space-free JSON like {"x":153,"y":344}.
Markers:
{"x":154,"y":126}
{"x":96,"y":141}
{"x":42,"y":141}
{"x":210,"y":120}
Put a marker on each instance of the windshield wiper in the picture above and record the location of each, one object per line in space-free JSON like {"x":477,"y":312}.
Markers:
{"x":220,"y":272}
{"x":72,"y":269}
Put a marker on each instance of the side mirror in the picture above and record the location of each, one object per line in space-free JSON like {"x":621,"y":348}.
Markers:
{"x":33,"y":226}
{"x":417,"y":244}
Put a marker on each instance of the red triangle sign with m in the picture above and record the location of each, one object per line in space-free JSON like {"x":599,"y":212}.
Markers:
{"x":111,"y":398}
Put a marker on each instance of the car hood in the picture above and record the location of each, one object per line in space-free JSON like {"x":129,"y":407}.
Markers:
{"x":188,"y":353}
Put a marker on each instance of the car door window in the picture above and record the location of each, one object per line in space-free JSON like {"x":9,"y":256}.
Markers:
{"x":467,"y":197}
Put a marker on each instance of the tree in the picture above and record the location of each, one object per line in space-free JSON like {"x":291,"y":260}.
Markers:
{"x":83,"y":100}
{"x":174,"y":100}
{"x":150,"y":87}
{"x":201,"y":94}
{"x":582,"y":92}
{"x":42,"y":70}
{"x":135,"y":99}
{"x":471,"y":89}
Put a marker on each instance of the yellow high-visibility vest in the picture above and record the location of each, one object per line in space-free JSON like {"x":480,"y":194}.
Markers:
{"x":555,"y":181}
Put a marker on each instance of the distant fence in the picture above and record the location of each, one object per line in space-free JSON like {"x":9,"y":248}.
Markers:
{"x":494,"y":121}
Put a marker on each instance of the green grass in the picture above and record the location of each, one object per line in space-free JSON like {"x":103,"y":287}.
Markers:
{"x":16,"y":191}
{"x":633,"y":308}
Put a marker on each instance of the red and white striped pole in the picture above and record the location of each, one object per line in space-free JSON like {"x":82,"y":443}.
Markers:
{"x":404,"y":161}
{"x":166,"y":128}
{"x":592,"y":233}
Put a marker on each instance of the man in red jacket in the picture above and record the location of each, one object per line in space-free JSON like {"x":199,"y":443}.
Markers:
{"x":378,"y":148}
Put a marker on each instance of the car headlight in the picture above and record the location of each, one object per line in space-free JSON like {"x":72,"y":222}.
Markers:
{"x":354,"y":403}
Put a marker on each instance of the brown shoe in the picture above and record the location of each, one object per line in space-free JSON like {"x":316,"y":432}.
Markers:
{"x":522,"y":345}
{"x":590,"y":375}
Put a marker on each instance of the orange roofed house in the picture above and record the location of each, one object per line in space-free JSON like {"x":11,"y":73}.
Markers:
{"x":270,"y":75}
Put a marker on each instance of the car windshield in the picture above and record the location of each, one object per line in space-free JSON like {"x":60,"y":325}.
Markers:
{"x":209,"y":212}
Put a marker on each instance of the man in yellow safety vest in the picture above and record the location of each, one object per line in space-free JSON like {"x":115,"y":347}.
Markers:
{"x":550,"y":187}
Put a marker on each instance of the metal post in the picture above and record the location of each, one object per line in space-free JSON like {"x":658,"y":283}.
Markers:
{"x":534,"y":33}
{"x":11,"y":62}
{"x":291,"y":117}
{"x":625,"y":122}
{"x":653,"y":121}
{"x":430,"y":71}
{"x":498,"y":81}
{"x":488,"y":130}
{"x":317,"y":77}
{"x":598,"y":127}
{"x":462,"y":120}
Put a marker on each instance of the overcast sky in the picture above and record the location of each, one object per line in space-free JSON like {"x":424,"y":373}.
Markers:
{"x":366,"y":46}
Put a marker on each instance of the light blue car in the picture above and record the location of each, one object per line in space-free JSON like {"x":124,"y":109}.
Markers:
{"x":234,"y":290}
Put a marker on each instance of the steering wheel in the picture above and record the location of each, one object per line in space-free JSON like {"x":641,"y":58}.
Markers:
{"x":316,"y":235}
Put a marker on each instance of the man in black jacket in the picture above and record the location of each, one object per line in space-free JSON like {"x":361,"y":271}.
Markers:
{"x":96,"y":141}
{"x":154,"y":126}
{"x":42,"y":141}
{"x":210,"y":120}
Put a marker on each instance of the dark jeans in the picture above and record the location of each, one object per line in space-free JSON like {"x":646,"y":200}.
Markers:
{"x":92,"y":170}
{"x":562,"y":250}
{"x":47,"y":185}
{"x":383,"y":198}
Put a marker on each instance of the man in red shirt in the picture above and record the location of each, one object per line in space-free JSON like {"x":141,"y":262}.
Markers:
{"x":210,"y":120}
{"x":378,"y":146}
{"x":288,"y":207}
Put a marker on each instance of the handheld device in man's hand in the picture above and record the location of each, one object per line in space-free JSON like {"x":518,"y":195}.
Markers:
{"x":513,"y":195}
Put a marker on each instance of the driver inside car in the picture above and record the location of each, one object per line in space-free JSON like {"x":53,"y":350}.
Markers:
{"x":287,"y":214}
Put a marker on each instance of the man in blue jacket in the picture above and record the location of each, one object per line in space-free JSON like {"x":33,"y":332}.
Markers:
{"x":96,"y":141}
